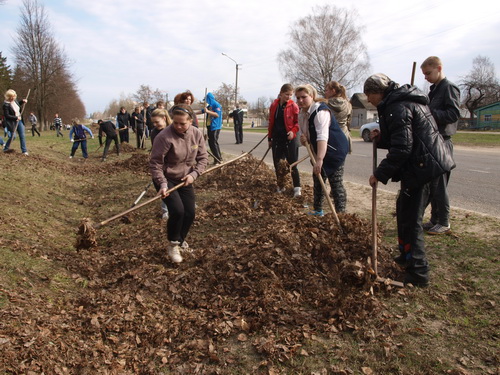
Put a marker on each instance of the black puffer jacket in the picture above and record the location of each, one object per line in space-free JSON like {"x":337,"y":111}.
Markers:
{"x":417,"y":152}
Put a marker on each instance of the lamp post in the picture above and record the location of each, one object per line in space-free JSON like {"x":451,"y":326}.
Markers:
{"x":236,"y":84}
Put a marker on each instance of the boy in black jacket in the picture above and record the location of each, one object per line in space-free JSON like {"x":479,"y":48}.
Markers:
{"x":444,"y":104}
{"x":416,"y":155}
{"x":109,"y":129}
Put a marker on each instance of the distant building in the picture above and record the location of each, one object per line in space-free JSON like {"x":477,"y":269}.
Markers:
{"x":363,"y":112}
{"x":488,"y":117}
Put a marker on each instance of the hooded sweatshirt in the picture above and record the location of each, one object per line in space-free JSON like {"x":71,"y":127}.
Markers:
{"x":214,"y":105}
{"x":175,"y":155}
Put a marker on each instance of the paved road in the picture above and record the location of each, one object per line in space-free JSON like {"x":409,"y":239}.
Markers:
{"x":474,"y":184}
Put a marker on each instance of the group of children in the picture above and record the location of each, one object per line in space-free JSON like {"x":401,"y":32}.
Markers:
{"x":415,"y":128}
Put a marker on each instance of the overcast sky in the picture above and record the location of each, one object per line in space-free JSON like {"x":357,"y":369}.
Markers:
{"x":116,"y":46}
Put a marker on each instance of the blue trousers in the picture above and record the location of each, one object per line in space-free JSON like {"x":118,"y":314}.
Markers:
{"x":82,"y":143}
{"x":22,"y":137}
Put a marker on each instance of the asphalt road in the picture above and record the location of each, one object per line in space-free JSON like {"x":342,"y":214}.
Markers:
{"x":474,"y":183}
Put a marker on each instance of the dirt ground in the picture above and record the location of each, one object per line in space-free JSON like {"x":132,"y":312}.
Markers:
{"x":262,"y":280}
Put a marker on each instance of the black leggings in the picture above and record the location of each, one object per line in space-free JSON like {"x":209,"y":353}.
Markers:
{"x":181,"y":211}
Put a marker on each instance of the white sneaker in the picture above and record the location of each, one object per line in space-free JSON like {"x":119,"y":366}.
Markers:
{"x":165,"y":216}
{"x":297,"y":192}
{"x":439,"y":229}
{"x":174,"y":251}
{"x":71,"y":157}
{"x":25,"y":154}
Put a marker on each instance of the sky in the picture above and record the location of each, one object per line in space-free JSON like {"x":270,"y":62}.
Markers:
{"x":116,"y":46}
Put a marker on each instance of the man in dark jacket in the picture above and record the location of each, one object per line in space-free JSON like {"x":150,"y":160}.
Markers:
{"x":237,"y":116}
{"x":108,"y":128}
{"x":444,"y":104}
{"x":148,"y":109}
{"x":123,"y":119}
{"x":416,"y":155}
{"x":137,"y":122}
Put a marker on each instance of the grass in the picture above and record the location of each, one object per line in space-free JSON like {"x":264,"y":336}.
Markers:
{"x":450,"y":327}
{"x":474,"y":139}
{"x":477,"y":139}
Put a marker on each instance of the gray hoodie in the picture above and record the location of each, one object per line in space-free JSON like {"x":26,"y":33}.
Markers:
{"x":174,"y":155}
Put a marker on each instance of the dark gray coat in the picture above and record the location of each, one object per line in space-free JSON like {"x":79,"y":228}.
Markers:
{"x":444,"y":105}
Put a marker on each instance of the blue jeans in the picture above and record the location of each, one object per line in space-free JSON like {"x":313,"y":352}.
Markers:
{"x":22,"y":138}
{"x":6,"y":133}
{"x":83,"y":143}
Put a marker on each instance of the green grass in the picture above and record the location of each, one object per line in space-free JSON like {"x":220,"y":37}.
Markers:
{"x":462,"y":138}
{"x":476,"y":139}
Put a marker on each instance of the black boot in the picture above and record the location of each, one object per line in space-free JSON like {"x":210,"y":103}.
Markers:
{"x":417,"y":273}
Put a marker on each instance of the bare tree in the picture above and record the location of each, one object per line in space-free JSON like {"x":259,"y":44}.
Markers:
{"x":325,"y":46}
{"x":114,"y":105}
{"x":158,"y":95}
{"x":260,"y":108}
{"x":42,"y":66}
{"x":481,"y":86}
{"x":144,"y":94}
{"x":64,"y":97}
{"x":225,"y":95}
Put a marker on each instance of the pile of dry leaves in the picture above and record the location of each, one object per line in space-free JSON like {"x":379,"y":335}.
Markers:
{"x":263,"y":278}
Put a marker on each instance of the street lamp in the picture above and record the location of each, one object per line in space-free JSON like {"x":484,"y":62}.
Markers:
{"x":236,"y":84}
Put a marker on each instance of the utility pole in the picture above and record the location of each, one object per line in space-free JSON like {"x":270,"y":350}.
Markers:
{"x":236,"y":84}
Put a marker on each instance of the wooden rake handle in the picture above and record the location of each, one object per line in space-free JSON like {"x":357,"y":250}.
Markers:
{"x":261,"y":160}
{"x":145,"y":203}
{"x":323,"y":186}
{"x":117,"y":216}
{"x":374,"y":215}
{"x":299,"y":161}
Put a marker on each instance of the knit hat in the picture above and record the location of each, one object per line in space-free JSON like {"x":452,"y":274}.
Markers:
{"x":376,"y":83}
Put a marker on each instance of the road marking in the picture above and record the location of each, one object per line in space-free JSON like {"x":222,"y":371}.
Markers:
{"x":363,"y":155}
{"x":479,"y":171}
